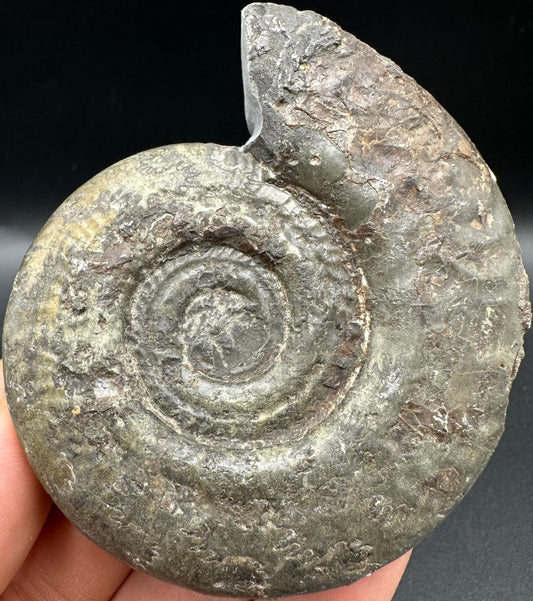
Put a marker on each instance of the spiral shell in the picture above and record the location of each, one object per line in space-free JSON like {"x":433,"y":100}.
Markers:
{"x":270,"y":370}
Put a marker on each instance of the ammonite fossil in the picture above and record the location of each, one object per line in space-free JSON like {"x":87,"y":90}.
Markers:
{"x":269,"y":370}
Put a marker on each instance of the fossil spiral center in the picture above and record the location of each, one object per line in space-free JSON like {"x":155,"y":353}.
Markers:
{"x":226,"y":336}
{"x":250,"y":333}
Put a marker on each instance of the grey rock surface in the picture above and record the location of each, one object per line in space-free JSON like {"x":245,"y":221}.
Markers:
{"x":271,"y":370}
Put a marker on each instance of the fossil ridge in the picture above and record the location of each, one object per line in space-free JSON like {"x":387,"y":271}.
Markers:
{"x":271,"y":370}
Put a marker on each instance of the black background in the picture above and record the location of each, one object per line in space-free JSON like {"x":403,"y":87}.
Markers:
{"x":84,"y":84}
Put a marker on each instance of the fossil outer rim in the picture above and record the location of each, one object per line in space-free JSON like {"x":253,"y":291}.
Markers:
{"x":266,"y":371}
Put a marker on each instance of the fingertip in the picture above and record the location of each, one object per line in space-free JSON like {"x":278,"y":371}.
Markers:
{"x":65,"y":564}
{"x":140,"y":587}
{"x":24,"y":504}
{"x":378,"y":586}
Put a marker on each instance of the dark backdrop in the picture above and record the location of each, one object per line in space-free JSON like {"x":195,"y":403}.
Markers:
{"x":84,"y":84}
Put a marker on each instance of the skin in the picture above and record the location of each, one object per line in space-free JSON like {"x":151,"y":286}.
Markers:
{"x":43,"y":557}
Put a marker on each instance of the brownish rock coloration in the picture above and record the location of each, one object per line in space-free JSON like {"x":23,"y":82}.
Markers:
{"x":270,"y":370}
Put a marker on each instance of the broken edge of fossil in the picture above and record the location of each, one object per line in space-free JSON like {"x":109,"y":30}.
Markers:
{"x":271,"y":370}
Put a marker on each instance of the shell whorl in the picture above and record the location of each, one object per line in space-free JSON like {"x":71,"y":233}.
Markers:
{"x":253,"y":327}
{"x":277,"y":366}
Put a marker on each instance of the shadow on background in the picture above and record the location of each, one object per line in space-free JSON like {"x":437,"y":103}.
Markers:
{"x":84,"y":86}
{"x":484,"y":548}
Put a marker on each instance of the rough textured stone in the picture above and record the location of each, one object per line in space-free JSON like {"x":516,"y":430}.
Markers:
{"x":271,"y":370}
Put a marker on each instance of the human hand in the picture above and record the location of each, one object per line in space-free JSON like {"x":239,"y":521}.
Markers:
{"x":43,"y":557}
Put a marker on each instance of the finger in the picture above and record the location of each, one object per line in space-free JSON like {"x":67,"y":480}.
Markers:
{"x":378,"y":586}
{"x":65,"y":565}
{"x":24,"y":504}
{"x":140,"y":587}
